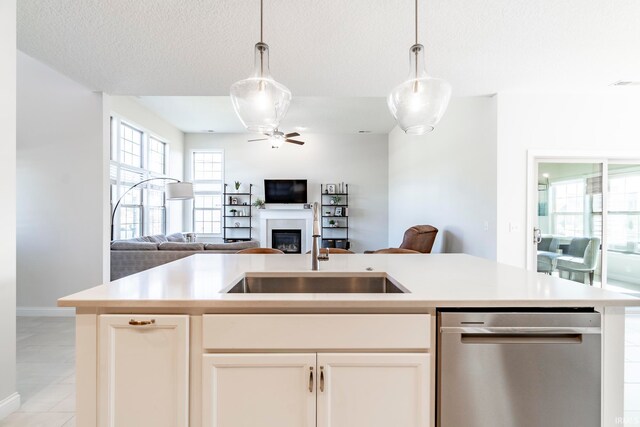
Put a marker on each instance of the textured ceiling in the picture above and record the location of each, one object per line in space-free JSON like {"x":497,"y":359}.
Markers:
{"x":194,"y":114}
{"x":336,"y":48}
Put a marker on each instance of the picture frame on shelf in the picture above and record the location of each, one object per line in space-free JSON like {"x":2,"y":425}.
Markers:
{"x":339,"y":211}
{"x":234,"y":201}
{"x":331,"y":189}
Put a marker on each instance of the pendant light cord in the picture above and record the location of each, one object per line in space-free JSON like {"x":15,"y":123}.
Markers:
{"x":415,"y":89}
{"x":261,"y":52}
{"x":416,"y":22}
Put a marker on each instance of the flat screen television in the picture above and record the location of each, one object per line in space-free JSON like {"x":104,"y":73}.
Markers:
{"x":285,"y":191}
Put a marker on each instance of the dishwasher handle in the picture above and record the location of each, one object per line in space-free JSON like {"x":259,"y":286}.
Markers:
{"x":521,"y":339}
{"x":520,"y":335}
{"x":519,"y":330}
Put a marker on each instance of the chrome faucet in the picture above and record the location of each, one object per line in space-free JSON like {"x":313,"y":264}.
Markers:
{"x":316,"y":255}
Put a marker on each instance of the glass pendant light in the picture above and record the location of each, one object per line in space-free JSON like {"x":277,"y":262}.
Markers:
{"x":419,"y":103}
{"x":259,"y":101}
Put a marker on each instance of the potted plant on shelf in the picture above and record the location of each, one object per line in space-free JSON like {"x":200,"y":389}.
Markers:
{"x":259,"y":203}
{"x":332,"y":223}
{"x":237,"y":184}
{"x":335,"y":200}
{"x":233,"y":211}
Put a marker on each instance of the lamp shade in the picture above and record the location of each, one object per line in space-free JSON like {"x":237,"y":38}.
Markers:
{"x":179,"y":191}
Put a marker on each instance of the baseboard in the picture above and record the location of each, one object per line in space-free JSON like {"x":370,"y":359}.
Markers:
{"x":45,"y":311}
{"x":9,"y":405}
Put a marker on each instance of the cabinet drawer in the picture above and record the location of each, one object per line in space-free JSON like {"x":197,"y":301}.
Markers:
{"x":316,"y":332}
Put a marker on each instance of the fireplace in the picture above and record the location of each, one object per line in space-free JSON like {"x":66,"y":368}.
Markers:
{"x":288,"y":241}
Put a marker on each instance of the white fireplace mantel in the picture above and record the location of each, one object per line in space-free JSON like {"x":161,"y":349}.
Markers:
{"x":280,"y":215}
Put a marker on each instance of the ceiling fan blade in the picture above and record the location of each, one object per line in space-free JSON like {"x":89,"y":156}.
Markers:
{"x":289,"y":135}
{"x":293,"y":141}
{"x":261,"y":139}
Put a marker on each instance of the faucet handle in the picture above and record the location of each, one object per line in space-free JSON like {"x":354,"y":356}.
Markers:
{"x":325,"y":256}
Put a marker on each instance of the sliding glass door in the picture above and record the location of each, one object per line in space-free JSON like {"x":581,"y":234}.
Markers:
{"x":587,"y":222}
{"x":569,"y":220}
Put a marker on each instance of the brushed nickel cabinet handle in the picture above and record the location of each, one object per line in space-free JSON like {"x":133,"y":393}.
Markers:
{"x":134,"y":322}
{"x":321,"y":378}
{"x":310,"y":380}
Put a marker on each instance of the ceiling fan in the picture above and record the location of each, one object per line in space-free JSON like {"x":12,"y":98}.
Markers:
{"x":278,"y":138}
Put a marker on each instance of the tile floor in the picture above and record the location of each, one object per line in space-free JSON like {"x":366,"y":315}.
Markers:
{"x":46,"y":378}
{"x":46,"y":373}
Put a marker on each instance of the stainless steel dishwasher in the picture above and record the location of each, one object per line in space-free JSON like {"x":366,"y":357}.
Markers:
{"x":519,"y":369}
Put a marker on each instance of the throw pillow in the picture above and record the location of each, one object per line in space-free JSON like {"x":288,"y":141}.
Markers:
{"x":158,"y":238}
{"x":176,"y":237}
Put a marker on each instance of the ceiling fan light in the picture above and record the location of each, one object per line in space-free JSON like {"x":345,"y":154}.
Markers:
{"x":276,"y":141}
{"x":259,"y":101}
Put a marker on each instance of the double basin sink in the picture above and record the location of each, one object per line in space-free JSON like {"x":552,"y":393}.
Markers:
{"x":367,"y":284}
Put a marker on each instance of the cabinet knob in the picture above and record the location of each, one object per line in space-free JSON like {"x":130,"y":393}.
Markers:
{"x":134,"y":322}
{"x":310,"y":379}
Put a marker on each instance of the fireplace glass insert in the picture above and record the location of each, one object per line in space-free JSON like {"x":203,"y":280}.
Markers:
{"x":288,"y":241}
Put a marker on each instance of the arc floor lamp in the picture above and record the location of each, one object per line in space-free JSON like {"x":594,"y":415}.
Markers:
{"x":177,"y":190}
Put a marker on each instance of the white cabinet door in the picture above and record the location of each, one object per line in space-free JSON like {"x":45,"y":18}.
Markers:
{"x":259,"y":390}
{"x":373,"y":390}
{"x":143,"y":372}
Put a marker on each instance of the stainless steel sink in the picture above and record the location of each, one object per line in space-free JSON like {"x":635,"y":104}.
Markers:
{"x":316,"y":284}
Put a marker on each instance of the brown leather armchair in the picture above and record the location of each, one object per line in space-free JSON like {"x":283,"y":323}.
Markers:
{"x":418,"y":238}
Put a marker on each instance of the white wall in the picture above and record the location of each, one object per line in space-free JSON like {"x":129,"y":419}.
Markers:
{"x":447,"y":179}
{"x":128,"y":108}
{"x":60,"y":185}
{"x":9,"y":400}
{"x":577,"y":123}
{"x":358,"y":160}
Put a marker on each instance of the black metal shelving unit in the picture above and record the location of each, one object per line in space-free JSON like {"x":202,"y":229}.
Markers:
{"x":336,"y":236}
{"x":246,"y":221}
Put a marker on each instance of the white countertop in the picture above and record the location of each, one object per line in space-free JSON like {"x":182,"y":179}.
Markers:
{"x":435,"y":280}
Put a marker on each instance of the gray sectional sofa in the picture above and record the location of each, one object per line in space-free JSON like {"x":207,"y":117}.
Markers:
{"x":142,"y":253}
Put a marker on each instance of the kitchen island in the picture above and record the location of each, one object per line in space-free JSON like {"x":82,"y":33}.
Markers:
{"x":172,"y":346}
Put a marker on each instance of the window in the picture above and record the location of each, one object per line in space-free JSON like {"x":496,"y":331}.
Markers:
{"x":136,"y":156}
{"x":207,"y":176}
{"x":624,"y":213}
{"x":567,"y":207}
{"x":130,"y":146}
{"x":157,"y":156}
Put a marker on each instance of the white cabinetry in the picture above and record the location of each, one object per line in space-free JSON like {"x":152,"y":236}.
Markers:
{"x":143,"y":371}
{"x":325,"y":370}
{"x":373,"y":390}
{"x":295,"y":390}
{"x":259,"y":390}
